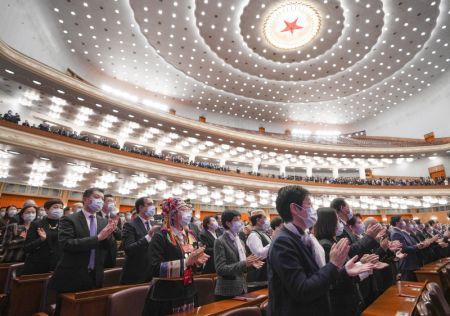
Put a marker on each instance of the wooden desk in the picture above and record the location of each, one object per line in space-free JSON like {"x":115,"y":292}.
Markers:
{"x":389,"y":303}
{"x":89,"y":303}
{"x":431,"y":272}
{"x":221,"y":307}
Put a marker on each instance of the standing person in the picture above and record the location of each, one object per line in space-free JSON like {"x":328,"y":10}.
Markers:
{"x":41,"y":244}
{"x":108,"y":211}
{"x":258,"y":243}
{"x":357,"y":246}
{"x":299,"y":281}
{"x":207,"y":238}
{"x":230,"y":259}
{"x":174,"y":257}
{"x":83,"y":240}
{"x":136,"y":236}
{"x":220,"y":230}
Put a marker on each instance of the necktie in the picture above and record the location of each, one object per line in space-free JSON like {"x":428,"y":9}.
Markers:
{"x":147,"y":226}
{"x":92,"y":233}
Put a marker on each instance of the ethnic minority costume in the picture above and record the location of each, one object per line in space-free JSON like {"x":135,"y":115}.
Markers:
{"x":172,"y":288}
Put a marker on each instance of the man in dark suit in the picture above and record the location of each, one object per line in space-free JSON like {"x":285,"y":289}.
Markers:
{"x":411,"y":261}
{"x":108,"y":211}
{"x":207,"y":237}
{"x":298,"y":285}
{"x":357,"y":246}
{"x":83,"y":239}
{"x":136,"y":237}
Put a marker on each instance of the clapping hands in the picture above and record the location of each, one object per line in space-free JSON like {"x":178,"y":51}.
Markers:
{"x":254,"y":261}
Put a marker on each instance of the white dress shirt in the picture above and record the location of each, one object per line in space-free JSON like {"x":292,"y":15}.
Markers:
{"x":255,"y":245}
{"x":147,"y":237}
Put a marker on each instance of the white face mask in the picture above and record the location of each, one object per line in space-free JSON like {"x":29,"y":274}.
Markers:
{"x":112,"y":207}
{"x":359,"y":229}
{"x":150,"y":211}
{"x":12,"y":213}
{"x":311,"y":216}
{"x":339,"y":228}
{"x":2,"y":213}
{"x":29,"y":217}
{"x":214,"y":225}
{"x":128,"y":218}
{"x":266,"y":225}
{"x":56,"y":213}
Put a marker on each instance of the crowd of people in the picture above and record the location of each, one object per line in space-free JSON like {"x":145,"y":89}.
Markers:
{"x":422,"y":181}
{"x":327,"y":261}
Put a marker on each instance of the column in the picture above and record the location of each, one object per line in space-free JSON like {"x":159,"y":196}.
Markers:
{"x":335,"y":172}
{"x":362,"y":173}
{"x":191,"y":157}
{"x":222,"y":162}
{"x":255,"y":167}
{"x":309,"y":172}
{"x":283,"y":170}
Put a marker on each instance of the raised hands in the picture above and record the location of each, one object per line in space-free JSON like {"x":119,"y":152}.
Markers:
{"x":400,"y":255}
{"x":374,"y":230}
{"x":41,"y":233}
{"x":354,"y":269}
{"x":339,"y":252}
{"x":108,"y":230}
{"x":254,"y":261}
{"x":198,"y":257}
{"x":369,"y":258}
{"x":153,"y":230}
{"x":395,"y":245}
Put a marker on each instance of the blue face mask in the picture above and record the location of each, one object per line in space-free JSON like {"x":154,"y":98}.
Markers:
{"x":186,"y":218}
{"x":150,"y":211}
{"x":236,"y":227}
{"x":56,"y":213}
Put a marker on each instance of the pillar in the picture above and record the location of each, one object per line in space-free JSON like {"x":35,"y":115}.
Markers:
{"x":335,"y":172}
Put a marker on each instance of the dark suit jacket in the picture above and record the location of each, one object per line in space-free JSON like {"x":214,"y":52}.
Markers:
{"x":71,"y":273}
{"x":411,"y":261}
{"x":297,"y":286}
{"x":111,"y":255}
{"x":207,"y":239}
{"x":42,"y":255}
{"x":136,"y":268}
{"x":358,"y":246}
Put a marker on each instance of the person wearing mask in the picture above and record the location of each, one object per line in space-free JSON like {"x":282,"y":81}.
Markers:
{"x":136,"y":237}
{"x":299,"y":279}
{"x":109,"y":211}
{"x":258,"y":243}
{"x":128,"y":217}
{"x":207,"y":238}
{"x":41,"y":244}
{"x":15,"y":234}
{"x":344,"y":297}
{"x":363,"y":245}
{"x":230,"y":258}
{"x":276,"y":224}
{"x":41,"y":213}
{"x":10,"y":215}
{"x":194,"y":226}
{"x":411,"y":262}
{"x":67,"y":211}
{"x":77,"y":207}
{"x":2,"y":212}
{"x":174,"y":257}
{"x":356,"y":226}
{"x":83,"y":240}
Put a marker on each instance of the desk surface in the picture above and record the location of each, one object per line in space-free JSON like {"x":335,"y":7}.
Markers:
{"x":220,"y":307}
{"x":435,"y":265}
{"x":389,"y":303}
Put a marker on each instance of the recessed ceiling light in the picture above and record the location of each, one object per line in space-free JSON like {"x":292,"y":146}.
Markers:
{"x":98,"y":105}
{"x":36,"y":82}
{"x":159,"y":124}
{"x":114,"y":171}
{"x":115,"y":111}
{"x":9,"y":71}
{"x":60,"y":91}
{"x":44,"y":158}
{"x":13,"y":152}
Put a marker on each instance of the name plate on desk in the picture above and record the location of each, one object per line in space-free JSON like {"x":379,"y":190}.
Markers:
{"x":401,"y":313}
{"x":410,"y":299}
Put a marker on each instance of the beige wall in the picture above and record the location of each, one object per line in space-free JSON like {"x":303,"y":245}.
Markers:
{"x":440,"y":216}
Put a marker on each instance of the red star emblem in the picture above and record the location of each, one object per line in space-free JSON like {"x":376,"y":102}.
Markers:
{"x":291,"y":26}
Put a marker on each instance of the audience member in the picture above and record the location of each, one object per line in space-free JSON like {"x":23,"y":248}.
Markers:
{"x":207,"y":238}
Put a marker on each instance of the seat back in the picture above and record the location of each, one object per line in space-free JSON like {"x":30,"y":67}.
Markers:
{"x":111,"y":277}
{"x":129,"y":302}
{"x":263,"y":307}
{"x":205,"y":290}
{"x":14,"y":270}
{"x":120,"y":261}
{"x":244,"y":311}
{"x":438,"y":299}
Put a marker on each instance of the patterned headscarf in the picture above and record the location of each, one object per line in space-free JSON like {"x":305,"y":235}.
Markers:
{"x":170,"y":209}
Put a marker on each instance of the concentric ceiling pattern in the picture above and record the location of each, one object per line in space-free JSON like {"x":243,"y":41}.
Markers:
{"x":363,"y":57}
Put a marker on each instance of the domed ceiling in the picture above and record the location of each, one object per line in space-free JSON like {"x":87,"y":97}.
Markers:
{"x":328,"y":61}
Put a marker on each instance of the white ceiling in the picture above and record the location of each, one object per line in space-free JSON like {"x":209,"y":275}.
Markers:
{"x":368,"y":57}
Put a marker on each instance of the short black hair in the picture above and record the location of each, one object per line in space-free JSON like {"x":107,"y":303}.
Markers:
{"x":395,"y":220}
{"x":337,"y":203}
{"x":108,"y":195}
{"x":351,"y":221}
{"x":228,"y":215}
{"x":277,"y":221}
{"x":206,"y":221}
{"x":287,"y":195}
{"x":325,"y":227}
{"x":254,"y":218}
{"x":431,"y":222}
{"x":140,"y":202}
{"x":89,"y":192}
{"x":52,"y":202}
